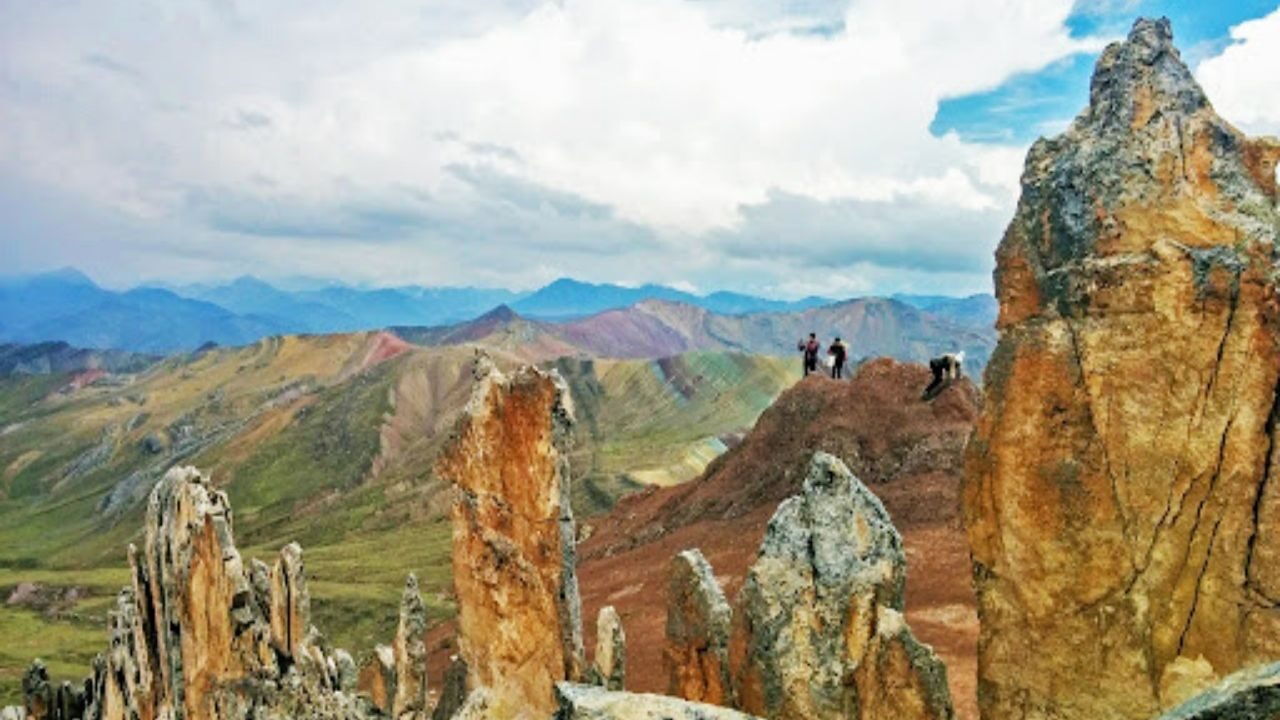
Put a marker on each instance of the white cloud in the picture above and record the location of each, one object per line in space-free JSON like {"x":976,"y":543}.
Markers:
{"x":1244,"y":80}
{"x":665,"y":118}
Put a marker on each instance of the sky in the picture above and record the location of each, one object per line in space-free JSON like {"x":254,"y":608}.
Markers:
{"x":781,"y":147}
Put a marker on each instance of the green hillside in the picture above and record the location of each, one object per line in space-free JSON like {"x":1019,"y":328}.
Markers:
{"x":326,"y":440}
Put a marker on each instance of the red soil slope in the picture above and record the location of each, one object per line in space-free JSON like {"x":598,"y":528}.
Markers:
{"x":907,"y":451}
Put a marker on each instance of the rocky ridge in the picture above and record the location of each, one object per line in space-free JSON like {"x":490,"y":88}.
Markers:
{"x":1119,"y":505}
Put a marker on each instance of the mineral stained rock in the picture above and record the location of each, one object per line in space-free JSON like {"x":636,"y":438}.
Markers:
{"x":697,"y":637}
{"x":609,"y":666}
{"x":519,"y":615}
{"x":1119,"y":501}
{"x":377,"y":680}
{"x":818,"y":626}
{"x":190,"y":637}
{"x":590,"y":702}
{"x":454,"y":693}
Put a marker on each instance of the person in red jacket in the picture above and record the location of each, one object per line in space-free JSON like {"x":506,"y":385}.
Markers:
{"x":810,"y":350}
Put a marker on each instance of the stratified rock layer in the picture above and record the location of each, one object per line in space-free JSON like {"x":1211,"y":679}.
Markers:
{"x":519,"y":616}
{"x":697,"y":636}
{"x":818,"y":628}
{"x":589,"y":702}
{"x":1124,"y":526}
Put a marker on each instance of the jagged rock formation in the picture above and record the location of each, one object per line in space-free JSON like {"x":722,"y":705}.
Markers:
{"x":519,"y":616}
{"x":590,"y":702}
{"x":697,"y":635}
{"x":1251,"y":694}
{"x":196,"y":636}
{"x":818,"y":630}
{"x":1119,"y":503}
{"x":411,"y":655}
{"x":609,"y":666}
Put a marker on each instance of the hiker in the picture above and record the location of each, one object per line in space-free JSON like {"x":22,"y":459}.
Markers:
{"x":810,"y":350}
{"x":945,"y":369}
{"x":839,"y":352}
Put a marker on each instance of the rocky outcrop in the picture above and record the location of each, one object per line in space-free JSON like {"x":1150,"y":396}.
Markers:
{"x":590,"y":702}
{"x":519,"y":616}
{"x":697,"y":636}
{"x":197,"y":636}
{"x":609,"y":666}
{"x":1251,"y":694}
{"x":1119,"y":500}
{"x":818,"y":629}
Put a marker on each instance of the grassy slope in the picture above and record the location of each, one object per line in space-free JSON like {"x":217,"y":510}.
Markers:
{"x":310,"y":450}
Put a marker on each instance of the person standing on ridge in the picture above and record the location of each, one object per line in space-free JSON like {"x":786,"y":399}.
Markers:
{"x":810,"y":350}
{"x":839,"y":352}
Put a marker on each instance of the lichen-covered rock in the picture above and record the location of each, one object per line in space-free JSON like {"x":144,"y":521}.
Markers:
{"x":1124,"y":529}
{"x":519,"y":615}
{"x":697,"y":635}
{"x":609,"y":666}
{"x":37,"y":692}
{"x":1251,"y":694}
{"x":591,"y":702}
{"x":411,"y":655}
{"x":818,"y":627}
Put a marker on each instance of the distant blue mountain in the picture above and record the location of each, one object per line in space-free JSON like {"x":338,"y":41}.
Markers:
{"x":566,"y":299}
{"x":67,"y":306}
{"x":974,"y":311}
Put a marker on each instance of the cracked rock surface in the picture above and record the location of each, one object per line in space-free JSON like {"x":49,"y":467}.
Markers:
{"x":1119,"y":498}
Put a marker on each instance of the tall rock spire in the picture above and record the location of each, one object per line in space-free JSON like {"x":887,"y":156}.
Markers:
{"x":1125,"y":532}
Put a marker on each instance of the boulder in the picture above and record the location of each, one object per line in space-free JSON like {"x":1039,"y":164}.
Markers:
{"x":818,"y":627}
{"x":697,"y":636}
{"x":519,"y":616}
{"x":609,"y":666}
{"x":1124,"y":530}
{"x":591,"y":702}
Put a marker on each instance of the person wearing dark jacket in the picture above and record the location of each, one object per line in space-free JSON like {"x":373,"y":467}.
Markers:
{"x":810,"y":350}
{"x":839,"y":352}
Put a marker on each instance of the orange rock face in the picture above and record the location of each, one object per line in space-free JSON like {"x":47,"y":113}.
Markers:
{"x":519,"y":617}
{"x":1124,"y":527}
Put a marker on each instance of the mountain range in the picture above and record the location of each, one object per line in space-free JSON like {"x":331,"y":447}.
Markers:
{"x":68,"y":306}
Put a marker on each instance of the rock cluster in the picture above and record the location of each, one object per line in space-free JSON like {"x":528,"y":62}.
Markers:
{"x":1119,"y":500}
{"x":514,"y":571}
{"x":818,"y":631}
{"x":196,"y":635}
{"x":394,"y":677}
